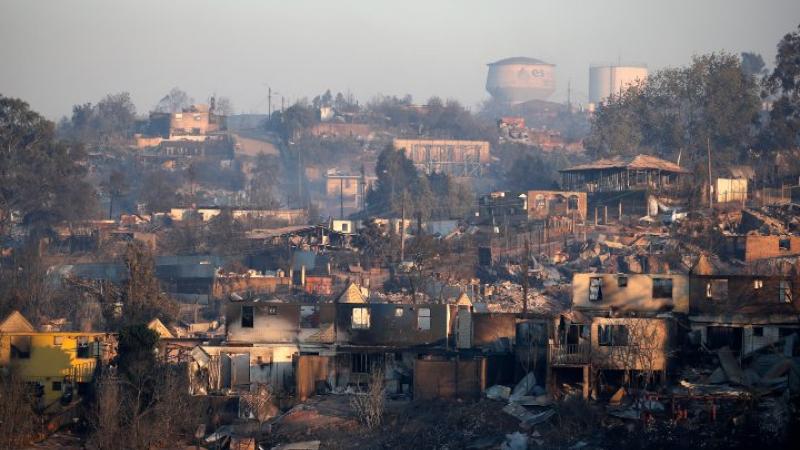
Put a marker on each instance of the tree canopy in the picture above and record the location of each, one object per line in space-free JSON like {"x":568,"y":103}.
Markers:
{"x":41,"y":178}
{"x":783,"y":129}
{"x":679,"y":111}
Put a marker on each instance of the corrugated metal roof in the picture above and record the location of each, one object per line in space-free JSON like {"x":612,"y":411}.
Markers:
{"x":638,"y":162}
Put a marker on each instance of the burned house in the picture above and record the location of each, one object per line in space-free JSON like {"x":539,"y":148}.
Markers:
{"x":625,"y":185}
{"x":453,"y":157}
{"x":612,"y":294}
{"x":620,"y":327}
{"x":743,"y":312}
{"x":544,"y":204}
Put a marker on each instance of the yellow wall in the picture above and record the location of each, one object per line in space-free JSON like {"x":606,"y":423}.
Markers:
{"x":49,"y":362}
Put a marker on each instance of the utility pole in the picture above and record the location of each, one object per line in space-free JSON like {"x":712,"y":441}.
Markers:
{"x":525,"y":262}
{"x":269,"y":103}
{"x":403,"y":229}
{"x":341,"y":197}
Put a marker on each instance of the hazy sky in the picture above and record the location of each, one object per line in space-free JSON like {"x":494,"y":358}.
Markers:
{"x":54,"y":54}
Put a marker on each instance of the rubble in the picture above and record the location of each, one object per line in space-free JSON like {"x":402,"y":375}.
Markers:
{"x":527,"y":418}
{"x":498,"y":392}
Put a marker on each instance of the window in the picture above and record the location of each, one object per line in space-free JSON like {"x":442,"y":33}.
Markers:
{"x":758,"y":284}
{"x":83,"y":347}
{"x":595,"y":289}
{"x":662,"y":287}
{"x":272,"y":310}
{"x":398,"y":312}
{"x":360,"y":319}
{"x":20,"y":347}
{"x":717,"y":289}
{"x":612,"y":335}
{"x":58,"y":340}
{"x":785,"y":291}
{"x":622,"y":281}
{"x":424,"y":319}
{"x":345,"y":227}
{"x":758,"y":331}
{"x":247,"y":317}
{"x":56,"y":385}
{"x":784,"y":243}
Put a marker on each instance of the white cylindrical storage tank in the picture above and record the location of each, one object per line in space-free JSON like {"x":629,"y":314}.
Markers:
{"x":612,"y":80}
{"x":520,"y":79}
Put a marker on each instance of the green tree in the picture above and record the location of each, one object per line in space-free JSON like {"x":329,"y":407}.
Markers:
{"x":143,"y":299}
{"x":159,"y":191}
{"x":783,"y":129}
{"x":753,"y":64}
{"x":397,"y":183}
{"x":41,"y":178}
{"x":530,"y":172}
{"x":678,"y":111}
{"x":136,"y":349}
{"x":115,"y":187}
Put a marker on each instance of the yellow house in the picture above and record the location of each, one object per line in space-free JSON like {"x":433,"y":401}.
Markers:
{"x":59,"y":363}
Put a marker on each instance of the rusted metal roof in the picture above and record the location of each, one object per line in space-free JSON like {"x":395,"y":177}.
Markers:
{"x":638,"y":162}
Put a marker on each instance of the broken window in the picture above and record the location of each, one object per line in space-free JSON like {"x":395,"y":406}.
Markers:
{"x":612,"y":335}
{"x":272,"y":310}
{"x":309,"y":316}
{"x":365,"y":362}
{"x":622,"y":281}
{"x":360,"y":319}
{"x":595,"y":289}
{"x":784,"y":243}
{"x":662,"y":287}
{"x":785,"y":291}
{"x":20,"y":347}
{"x":84,"y":351}
{"x":424,"y":319}
{"x":758,"y":331}
{"x":717,"y":289}
{"x":247,"y":317}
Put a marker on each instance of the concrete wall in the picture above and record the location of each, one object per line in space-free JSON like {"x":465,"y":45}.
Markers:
{"x":770,"y":334}
{"x":636,"y":296}
{"x":648,"y":344}
{"x":542,"y":204}
{"x":282,"y":326}
{"x":395,"y":324}
{"x":745,"y":295}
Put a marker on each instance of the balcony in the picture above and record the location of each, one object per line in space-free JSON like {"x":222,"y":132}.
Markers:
{"x":570,"y":354}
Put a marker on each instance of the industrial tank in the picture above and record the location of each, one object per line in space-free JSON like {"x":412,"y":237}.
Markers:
{"x":520,"y":79}
{"x":607,"y":80}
